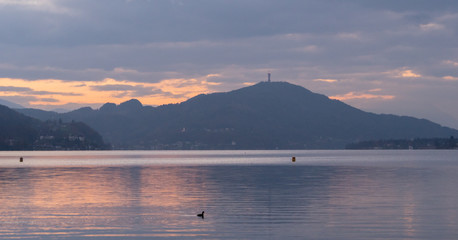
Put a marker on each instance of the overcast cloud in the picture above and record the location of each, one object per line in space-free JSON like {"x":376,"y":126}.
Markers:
{"x":397,"y":57}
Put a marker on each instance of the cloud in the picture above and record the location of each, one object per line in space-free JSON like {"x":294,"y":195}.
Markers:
{"x":450,"y":78}
{"x":308,"y":49}
{"x":14,"y":89}
{"x":404,"y":73}
{"x":130,"y":89}
{"x":375,"y":90}
{"x":30,"y":91}
{"x":327,"y":80}
{"x":49,"y":100}
{"x":431,"y":27}
{"x":363,"y":95}
{"x":35,"y":5}
{"x":409,"y":74}
{"x":113,"y":87}
{"x":177,"y":88}
{"x":19,"y":99}
{"x":108,"y":90}
{"x":125,"y":70}
{"x":350,"y":36}
{"x":184,"y":88}
{"x":54,"y":93}
{"x":449,"y":62}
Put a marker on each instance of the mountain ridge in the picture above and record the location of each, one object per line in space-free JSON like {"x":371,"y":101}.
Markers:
{"x":267,"y":115}
{"x":20,"y":132}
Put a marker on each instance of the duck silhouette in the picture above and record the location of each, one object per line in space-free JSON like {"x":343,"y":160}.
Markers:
{"x":201,"y":214}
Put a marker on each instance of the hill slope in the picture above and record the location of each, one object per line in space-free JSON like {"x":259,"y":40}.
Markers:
{"x":9,"y":104}
{"x":267,"y":115}
{"x":19,"y":132}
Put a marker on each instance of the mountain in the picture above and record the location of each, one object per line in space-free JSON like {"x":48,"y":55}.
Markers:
{"x":268,"y":115}
{"x":418,"y":143}
{"x":20,"y":132}
{"x":39,"y":114}
{"x":9,"y":104}
{"x":17,"y":132}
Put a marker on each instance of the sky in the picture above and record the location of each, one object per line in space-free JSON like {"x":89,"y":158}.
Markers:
{"x":386,"y":56}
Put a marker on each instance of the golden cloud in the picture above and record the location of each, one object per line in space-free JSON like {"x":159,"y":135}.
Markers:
{"x":328,"y":80}
{"x":249,"y":83}
{"x":362,"y":95}
{"x":403,"y":73}
{"x":375,"y":90}
{"x":409,"y":74}
{"x":108,"y":90}
{"x":450,"y":78}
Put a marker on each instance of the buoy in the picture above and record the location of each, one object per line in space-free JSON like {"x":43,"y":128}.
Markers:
{"x":21,"y":159}
{"x":293,"y":159}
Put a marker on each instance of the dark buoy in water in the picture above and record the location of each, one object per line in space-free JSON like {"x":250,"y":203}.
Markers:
{"x":21,"y":159}
{"x":201,"y":214}
{"x":293,"y":159}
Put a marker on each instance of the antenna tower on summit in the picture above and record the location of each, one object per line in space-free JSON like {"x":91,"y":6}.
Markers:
{"x":268,"y":77}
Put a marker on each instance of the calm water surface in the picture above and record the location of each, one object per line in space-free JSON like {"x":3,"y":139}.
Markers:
{"x":245,"y":195}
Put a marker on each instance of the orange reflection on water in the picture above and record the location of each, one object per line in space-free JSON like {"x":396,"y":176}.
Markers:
{"x":101,"y":201}
{"x":102,"y":186}
{"x":171,"y":187}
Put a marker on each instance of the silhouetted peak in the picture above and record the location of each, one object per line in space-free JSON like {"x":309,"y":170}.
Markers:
{"x":261,"y":93}
{"x":279,"y":87}
{"x":108,"y":107}
{"x":83,"y":110}
{"x":130,"y":105}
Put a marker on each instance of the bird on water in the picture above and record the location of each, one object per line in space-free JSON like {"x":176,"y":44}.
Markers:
{"x":201,"y":214}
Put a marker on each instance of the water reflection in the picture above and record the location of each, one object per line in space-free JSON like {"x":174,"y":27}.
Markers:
{"x":240,"y":202}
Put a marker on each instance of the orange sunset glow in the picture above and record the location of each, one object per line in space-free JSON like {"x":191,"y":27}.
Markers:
{"x":370,"y":94}
{"x":86,"y":190}
{"x":59,"y":92}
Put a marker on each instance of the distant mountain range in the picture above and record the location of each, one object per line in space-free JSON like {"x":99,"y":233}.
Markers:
{"x":417,"y":143}
{"x":19,"y":132}
{"x":268,"y":115}
{"x":9,"y":104}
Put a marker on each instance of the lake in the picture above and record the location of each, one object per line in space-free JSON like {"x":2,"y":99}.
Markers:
{"x":339,"y":194}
